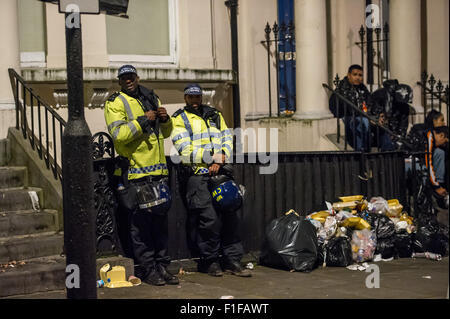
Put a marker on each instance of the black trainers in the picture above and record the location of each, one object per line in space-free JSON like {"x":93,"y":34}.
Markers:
{"x":236,"y":269}
{"x":155,"y":278}
{"x":167,"y":276}
{"x":212,"y":269}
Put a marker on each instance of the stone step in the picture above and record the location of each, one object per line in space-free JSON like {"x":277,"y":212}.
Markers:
{"x":333,"y":138}
{"x":14,"y":199}
{"x":13,"y":177}
{"x":27,"y":222}
{"x":30,"y":246}
{"x":46,"y":274}
{"x":4,"y":152}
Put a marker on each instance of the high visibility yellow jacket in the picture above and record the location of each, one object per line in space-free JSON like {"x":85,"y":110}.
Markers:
{"x":124,"y":117}
{"x":195,"y":136}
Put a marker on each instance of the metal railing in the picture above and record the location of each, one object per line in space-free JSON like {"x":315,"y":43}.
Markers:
{"x":31,"y":111}
{"x":377,"y":53}
{"x":434,"y":91}
{"x":355,"y":111}
{"x":283,"y":37}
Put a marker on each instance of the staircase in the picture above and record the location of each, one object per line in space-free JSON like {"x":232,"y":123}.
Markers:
{"x":31,"y":245}
{"x":28,"y":235}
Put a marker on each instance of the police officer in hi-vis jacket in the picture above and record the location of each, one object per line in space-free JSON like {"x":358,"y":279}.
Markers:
{"x":138,"y":125}
{"x":204,"y":144}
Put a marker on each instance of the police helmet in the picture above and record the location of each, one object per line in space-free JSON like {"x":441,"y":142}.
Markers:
{"x":226,"y":195}
{"x":155,"y":199}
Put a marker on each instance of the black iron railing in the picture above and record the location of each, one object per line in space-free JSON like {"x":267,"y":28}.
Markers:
{"x":434,"y":94}
{"x":348,"y":107}
{"x":106,"y":204}
{"x":283,"y":57}
{"x":31,"y":111}
{"x":377,"y":53}
{"x":302,"y":181}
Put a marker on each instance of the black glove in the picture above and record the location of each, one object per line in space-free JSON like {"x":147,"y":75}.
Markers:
{"x":146,"y":125}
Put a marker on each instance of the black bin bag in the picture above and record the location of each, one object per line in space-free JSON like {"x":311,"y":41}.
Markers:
{"x":403,"y":244}
{"x":290,"y":243}
{"x":339,"y":252}
{"x":431,"y":237}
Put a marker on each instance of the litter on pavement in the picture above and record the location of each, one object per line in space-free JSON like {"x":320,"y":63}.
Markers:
{"x":350,"y":233}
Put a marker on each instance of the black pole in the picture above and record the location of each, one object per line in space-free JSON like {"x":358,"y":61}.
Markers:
{"x":275,"y":30}
{"x":369,"y":52}
{"x":267,"y":30}
{"x":78,"y":187}
{"x":233,"y":5}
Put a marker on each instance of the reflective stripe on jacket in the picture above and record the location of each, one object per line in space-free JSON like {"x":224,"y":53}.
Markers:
{"x":144,"y":151}
{"x":196,"y":139}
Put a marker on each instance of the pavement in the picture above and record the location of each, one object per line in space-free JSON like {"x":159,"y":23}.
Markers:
{"x":406,"y":278}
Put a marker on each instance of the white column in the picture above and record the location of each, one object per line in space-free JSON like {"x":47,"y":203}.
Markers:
{"x":9,"y":22}
{"x":438,"y":43}
{"x":405,"y":45}
{"x":312,"y":63}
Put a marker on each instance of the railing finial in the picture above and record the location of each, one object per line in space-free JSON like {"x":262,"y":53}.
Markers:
{"x":336,"y":80}
{"x":432,"y":81}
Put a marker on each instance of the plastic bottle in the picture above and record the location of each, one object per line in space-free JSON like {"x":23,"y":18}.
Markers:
{"x":427,"y":255}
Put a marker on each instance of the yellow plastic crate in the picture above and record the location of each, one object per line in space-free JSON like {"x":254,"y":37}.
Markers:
{"x":351,"y":198}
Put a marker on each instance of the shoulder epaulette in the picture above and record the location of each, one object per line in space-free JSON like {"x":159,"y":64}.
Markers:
{"x":177,"y":113}
{"x":113,"y":96}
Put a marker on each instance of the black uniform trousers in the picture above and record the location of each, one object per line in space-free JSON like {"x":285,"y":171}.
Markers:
{"x":210,"y":232}
{"x":144,"y":237}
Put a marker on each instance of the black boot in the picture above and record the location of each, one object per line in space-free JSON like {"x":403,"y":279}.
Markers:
{"x":210,"y":268}
{"x":167,"y":276}
{"x":235,"y":268}
{"x":155,"y":278}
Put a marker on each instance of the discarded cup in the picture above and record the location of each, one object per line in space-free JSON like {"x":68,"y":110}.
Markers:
{"x":134,"y":280}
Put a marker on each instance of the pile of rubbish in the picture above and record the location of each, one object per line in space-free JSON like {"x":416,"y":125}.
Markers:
{"x":352,"y":231}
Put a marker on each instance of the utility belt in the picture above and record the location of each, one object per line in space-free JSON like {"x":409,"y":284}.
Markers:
{"x":149,"y":193}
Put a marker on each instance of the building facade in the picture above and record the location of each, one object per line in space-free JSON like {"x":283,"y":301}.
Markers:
{"x":175,"y":42}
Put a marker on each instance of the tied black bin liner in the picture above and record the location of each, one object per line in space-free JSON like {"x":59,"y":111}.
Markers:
{"x":386,"y":247}
{"x":403,"y":244}
{"x":290,"y":243}
{"x":338,"y":252}
{"x":383,"y":226}
{"x":431,"y":237}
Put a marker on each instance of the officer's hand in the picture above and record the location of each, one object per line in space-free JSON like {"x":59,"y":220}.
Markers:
{"x":151,"y":115}
{"x":162,"y":114}
{"x":441,"y":191}
{"x":214,"y":169}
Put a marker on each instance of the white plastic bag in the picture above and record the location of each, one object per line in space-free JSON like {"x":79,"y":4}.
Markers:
{"x":364,"y":244}
{"x":34,"y":200}
{"x":379,"y":205}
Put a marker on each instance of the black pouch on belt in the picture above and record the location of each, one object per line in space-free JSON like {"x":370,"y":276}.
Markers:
{"x":127,"y":197}
{"x":126,"y":192}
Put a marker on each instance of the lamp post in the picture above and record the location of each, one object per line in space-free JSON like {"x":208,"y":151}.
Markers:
{"x":77,"y":154}
{"x":77,"y":169}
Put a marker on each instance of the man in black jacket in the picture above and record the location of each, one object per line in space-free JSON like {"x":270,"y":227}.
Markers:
{"x":358,"y":129}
